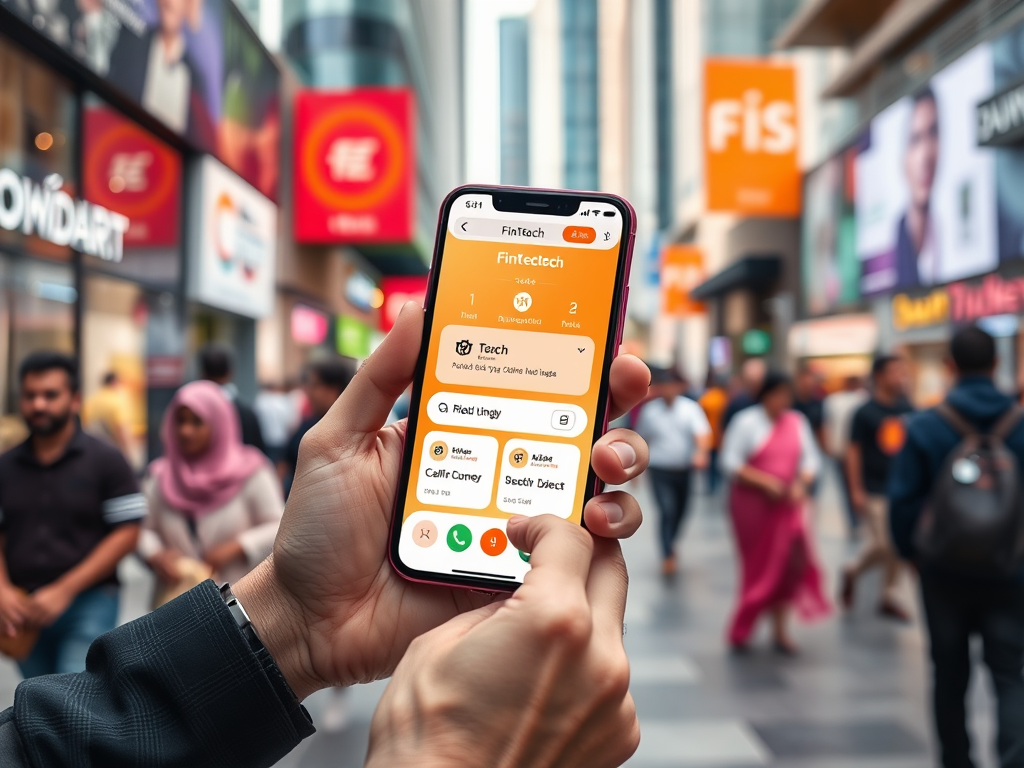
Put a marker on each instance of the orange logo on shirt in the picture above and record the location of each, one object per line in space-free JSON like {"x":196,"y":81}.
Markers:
{"x":891,"y":435}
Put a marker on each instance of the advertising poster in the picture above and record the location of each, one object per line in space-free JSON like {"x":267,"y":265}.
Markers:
{"x":751,"y":138}
{"x":831,"y":269}
{"x":1008,"y":68}
{"x":193,"y":64}
{"x":233,"y":248}
{"x":925,"y":191}
{"x":355,"y":166}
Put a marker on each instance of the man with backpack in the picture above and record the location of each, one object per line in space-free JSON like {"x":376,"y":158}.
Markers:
{"x":956,"y":511}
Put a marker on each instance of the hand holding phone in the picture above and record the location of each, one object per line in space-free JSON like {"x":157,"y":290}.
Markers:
{"x":523,"y":319}
{"x":348,"y":616}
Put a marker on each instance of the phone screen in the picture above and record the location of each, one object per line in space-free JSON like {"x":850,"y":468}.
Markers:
{"x":512,"y":393}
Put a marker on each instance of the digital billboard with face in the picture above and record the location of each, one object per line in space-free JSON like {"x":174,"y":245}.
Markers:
{"x":926,"y":192}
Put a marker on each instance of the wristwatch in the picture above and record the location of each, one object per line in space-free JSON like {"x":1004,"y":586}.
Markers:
{"x":295,"y":710}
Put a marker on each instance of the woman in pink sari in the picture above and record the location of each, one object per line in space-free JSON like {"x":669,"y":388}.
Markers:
{"x":770,"y":455}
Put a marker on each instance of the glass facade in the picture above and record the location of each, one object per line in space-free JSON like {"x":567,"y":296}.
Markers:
{"x":579,"y":93}
{"x":514,"y":100}
{"x":663,"y":111}
{"x":744,"y":27}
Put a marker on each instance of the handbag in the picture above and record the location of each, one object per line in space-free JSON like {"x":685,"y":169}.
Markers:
{"x":20,"y":646}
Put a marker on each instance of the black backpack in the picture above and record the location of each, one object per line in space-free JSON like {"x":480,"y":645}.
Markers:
{"x":973,"y":521}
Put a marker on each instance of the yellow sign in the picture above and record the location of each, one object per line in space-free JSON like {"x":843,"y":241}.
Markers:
{"x":920,"y":311}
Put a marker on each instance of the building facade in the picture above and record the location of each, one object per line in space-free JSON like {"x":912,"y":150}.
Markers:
{"x":122,"y":183}
{"x":917,"y":208}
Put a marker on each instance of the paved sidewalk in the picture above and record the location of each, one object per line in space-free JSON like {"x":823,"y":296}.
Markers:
{"x":855,"y":698}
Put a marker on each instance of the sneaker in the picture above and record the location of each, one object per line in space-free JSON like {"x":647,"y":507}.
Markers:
{"x":669,"y":566}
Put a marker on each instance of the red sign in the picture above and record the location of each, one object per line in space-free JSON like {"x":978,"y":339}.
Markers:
{"x":131,"y":172}
{"x":995,"y":295}
{"x":398,"y":291}
{"x":354,"y":166}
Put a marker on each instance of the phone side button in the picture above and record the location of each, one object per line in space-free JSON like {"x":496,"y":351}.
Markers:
{"x":622,"y":319}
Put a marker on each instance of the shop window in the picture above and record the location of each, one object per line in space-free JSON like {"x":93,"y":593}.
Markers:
{"x":37,"y":312}
{"x":37,"y":134}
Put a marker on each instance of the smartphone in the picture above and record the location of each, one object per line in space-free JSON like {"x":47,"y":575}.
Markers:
{"x":523,"y":317}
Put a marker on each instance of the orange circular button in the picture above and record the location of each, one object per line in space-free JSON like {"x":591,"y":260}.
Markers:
{"x":493,"y":542}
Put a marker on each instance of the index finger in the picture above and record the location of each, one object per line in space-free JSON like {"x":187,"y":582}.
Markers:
{"x":560,"y":553}
{"x":628,"y":382}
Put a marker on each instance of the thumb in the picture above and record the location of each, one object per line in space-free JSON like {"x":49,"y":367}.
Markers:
{"x":365,"y":404}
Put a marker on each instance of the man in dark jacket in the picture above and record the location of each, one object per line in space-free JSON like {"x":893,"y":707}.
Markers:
{"x":959,"y":605}
{"x":216,"y":364}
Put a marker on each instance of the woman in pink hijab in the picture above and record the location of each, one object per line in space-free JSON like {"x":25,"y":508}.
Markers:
{"x":211,"y":498}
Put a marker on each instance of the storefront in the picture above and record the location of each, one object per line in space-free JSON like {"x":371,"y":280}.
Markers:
{"x":836,"y":347}
{"x":94,"y":266}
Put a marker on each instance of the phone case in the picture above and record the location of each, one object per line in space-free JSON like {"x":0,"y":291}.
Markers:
{"x":631,"y":237}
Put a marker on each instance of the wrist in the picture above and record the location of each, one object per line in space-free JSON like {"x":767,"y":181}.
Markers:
{"x":279,"y":621}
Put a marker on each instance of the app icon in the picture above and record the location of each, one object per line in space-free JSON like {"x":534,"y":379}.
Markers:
{"x":563,"y":420}
{"x":518,"y":458}
{"x":524,"y":556}
{"x":493,"y":542}
{"x":523,"y":301}
{"x":424,"y":533}
{"x":438,"y":451}
{"x":459,"y":538}
{"x":463,"y":347}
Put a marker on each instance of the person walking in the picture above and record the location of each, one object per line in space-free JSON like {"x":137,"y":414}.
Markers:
{"x":71,"y":509}
{"x":107,"y":416}
{"x":278,"y":414}
{"x":212,"y":499}
{"x":714,"y":401}
{"x":325,"y":381}
{"x":752,"y":375}
{"x":877,"y":434}
{"x":839,"y":408}
{"x":679,"y":437}
{"x":958,"y":602}
{"x":808,"y":401}
{"x":217,"y":364}
{"x":771,"y":457}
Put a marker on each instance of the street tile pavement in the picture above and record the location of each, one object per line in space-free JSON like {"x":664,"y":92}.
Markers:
{"x":856,"y":697}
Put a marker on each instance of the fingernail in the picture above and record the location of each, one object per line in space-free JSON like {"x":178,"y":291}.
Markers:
{"x":626,"y":454}
{"x":612,"y":511}
{"x":515,"y":522}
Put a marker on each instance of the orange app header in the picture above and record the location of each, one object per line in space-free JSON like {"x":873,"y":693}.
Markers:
{"x":751,"y":138}
{"x":510,"y":392}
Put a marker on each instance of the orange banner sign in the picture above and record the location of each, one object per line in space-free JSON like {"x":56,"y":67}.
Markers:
{"x":682,"y":270}
{"x":751,"y":138}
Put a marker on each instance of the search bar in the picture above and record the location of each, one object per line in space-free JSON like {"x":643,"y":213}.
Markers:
{"x":505,"y":414}
{"x":597,"y":234}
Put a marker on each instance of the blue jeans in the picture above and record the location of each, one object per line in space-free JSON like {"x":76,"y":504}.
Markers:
{"x":672,"y":493}
{"x":63,"y":645}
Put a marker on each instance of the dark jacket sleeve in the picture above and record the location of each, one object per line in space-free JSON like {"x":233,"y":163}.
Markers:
{"x":909,"y":483}
{"x":179,"y":687}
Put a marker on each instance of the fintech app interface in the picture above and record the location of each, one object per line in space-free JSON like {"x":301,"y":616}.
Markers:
{"x":510,"y":391}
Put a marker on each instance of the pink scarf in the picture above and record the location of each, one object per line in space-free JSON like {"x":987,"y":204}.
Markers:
{"x":203,"y":484}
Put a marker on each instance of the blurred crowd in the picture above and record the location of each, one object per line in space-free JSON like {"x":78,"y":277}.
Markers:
{"x":928,"y":495}
{"x":931,"y":495}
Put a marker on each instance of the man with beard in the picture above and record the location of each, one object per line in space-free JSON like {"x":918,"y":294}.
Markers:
{"x":70,"y":509}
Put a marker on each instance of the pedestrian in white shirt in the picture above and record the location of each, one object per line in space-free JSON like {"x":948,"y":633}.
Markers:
{"x":839,"y":409}
{"x":679,"y":437}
